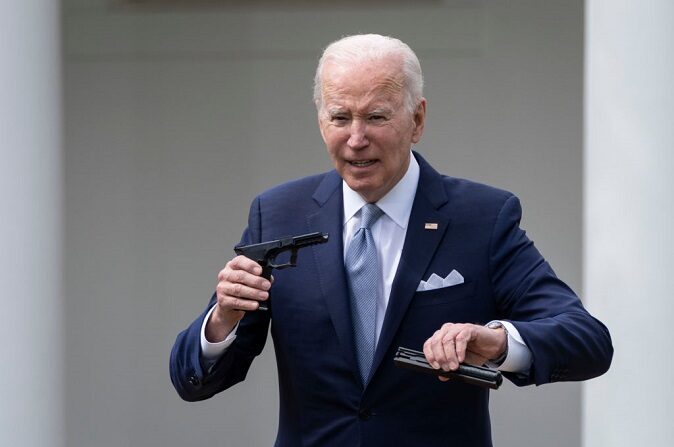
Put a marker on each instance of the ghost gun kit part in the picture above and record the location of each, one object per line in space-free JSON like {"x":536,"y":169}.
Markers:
{"x":265,"y":253}
{"x":475,"y":375}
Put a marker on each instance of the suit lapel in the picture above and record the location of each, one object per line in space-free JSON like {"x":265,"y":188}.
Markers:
{"x":418,"y":250}
{"x":330,"y":262}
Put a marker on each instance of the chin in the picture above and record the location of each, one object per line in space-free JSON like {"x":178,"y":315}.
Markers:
{"x":368,"y":193}
{"x":358,"y":185}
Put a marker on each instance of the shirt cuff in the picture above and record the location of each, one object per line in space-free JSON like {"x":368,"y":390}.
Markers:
{"x":213,"y":351}
{"x":518,"y":359}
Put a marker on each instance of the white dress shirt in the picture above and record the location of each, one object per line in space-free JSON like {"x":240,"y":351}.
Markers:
{"x":388,"y":233}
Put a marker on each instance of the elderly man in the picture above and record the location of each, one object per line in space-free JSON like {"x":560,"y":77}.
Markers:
{"x":414,"y":259}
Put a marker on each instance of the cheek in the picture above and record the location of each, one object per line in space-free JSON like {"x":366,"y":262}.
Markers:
{"x":331,"y":146}
{"x":333,"y":156}
{"x":334,"y":139}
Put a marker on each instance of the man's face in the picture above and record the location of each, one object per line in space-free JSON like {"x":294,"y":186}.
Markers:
{"x":365,"y":126}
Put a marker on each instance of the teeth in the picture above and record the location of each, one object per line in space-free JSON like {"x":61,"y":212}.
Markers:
{"x":362,"y":163}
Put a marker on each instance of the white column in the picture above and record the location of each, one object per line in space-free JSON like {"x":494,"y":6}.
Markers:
{"x":31,"y":185}
{"x":629,"y":218}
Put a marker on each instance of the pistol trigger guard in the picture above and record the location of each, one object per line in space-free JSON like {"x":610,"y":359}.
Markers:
{"x":291,"y":263}
{"x":281,"y":266}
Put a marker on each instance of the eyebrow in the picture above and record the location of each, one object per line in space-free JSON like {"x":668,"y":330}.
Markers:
{"x":380,"y":111}
{"x":376,"y":111}
{"x":335,"y":110}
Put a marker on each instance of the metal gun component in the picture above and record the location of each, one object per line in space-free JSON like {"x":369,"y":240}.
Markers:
{"x":265,"y":253}
{"x":474,"y":375}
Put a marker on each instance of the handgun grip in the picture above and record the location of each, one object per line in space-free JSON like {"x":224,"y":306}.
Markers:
{"x":266,"y":274}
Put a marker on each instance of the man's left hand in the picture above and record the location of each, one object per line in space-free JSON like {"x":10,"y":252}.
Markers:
{"x":454,"y":343}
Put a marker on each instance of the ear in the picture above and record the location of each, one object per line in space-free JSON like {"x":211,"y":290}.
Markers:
{"x":419,"y":120}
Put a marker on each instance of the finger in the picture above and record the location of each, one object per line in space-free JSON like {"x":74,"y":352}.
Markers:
{"x":246,"y":264}
{"x":240,"y":304}
{"x":443,"y":379}
{"x":439,"y":353}
{"x":449,"y":350}
{"x":463,"y":339}
{"x":238,"y":290}
{"x":240,"y":276}
{"x":451,"y":331}
{"x":228,"y":303}
{"x":433,"y":348}
{"x":428,"y":352}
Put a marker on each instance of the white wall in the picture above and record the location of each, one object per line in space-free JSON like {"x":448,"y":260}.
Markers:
{"x":31,"y":225}
{"x":629,"y":177}
{"x":175,"y":119}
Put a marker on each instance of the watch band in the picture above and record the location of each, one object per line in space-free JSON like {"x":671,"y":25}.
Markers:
{"x":501,"y":358}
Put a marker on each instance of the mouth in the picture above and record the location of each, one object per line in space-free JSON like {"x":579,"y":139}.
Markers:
{"x":362,"y":163}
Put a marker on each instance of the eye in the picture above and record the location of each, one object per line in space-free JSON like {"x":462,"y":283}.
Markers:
{"x":376,"y":118}
{"x":339,"y":119}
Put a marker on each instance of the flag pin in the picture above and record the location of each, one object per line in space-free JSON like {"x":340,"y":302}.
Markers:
{"x":431,"y":226}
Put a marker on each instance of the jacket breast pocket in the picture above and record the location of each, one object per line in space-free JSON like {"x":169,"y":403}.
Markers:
{"x":443,"y":295}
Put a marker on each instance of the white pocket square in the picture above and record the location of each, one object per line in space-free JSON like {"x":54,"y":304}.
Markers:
{"x":436,"y":282}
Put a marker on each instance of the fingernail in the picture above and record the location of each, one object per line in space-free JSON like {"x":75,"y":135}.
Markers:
{"x":435,"y":365}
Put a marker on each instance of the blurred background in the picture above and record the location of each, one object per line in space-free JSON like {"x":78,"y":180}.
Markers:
{"x":134,"y":135}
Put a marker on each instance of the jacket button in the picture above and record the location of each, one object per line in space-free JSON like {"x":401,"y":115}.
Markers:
{"x":194,"y":381}
{"x":364,"y":415}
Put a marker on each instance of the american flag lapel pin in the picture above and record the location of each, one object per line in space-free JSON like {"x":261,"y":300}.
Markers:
{"x":431,"y":226}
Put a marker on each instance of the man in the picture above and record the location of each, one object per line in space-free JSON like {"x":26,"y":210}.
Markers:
{"x":414,"y":259}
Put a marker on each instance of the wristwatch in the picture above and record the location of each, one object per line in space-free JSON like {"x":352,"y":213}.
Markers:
{"x":501,"y":358}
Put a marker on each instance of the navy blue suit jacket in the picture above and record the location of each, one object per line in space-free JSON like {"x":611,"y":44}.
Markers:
{"x":322,"y":400}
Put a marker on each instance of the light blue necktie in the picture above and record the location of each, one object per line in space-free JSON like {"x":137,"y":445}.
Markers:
{"x":362,"y":267}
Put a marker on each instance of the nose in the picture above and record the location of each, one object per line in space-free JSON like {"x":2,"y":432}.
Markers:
{"x":357,"y":138}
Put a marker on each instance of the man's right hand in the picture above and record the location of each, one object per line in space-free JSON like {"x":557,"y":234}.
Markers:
{"x":240,"y":288}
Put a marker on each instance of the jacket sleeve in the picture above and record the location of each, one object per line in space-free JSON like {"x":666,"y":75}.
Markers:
{"x":566,"y":342}
{"x":191,"y":379}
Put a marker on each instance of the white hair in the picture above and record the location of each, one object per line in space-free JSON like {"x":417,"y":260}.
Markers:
{"x":370,"y":48}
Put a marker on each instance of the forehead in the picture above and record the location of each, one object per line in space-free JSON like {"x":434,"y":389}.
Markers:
{"x":362,"y":83}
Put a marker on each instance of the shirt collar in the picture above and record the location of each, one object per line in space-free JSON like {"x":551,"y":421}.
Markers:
{"x":396,"y":204}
